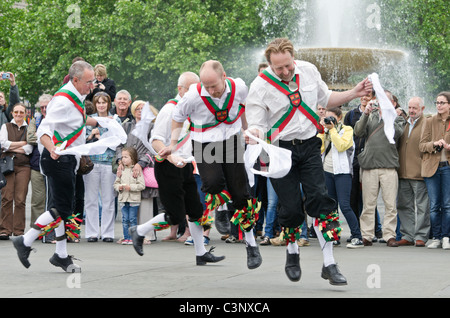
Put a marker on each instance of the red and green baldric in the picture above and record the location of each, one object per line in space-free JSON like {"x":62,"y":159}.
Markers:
{"x":221,"y":114}
{"x":296,"y":102}
{"x":183,"y":140}
{"x":57,"y":139}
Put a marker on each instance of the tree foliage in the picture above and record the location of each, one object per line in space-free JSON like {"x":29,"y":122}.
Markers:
{"x":145,"y":45}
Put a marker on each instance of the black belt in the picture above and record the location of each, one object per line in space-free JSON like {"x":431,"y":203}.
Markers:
{"x":295,"y":141}
{"x":443,"y":164}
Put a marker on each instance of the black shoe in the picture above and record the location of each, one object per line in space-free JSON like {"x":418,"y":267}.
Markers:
{"x":92,"y":239}
{"x":65,"y":263}
{"x":108,"y":240}
{"x":292,"y":267}
{"x":22,"y":251}
{"x":138,"y":241}
{"x":208,"y":257}
{"x":222,"y":222}
{"x":332,"y":273}
{"x":254,"y":258}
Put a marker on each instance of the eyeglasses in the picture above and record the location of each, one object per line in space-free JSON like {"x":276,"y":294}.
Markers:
{"x":440,"y":103}
{"x":18,"y":112}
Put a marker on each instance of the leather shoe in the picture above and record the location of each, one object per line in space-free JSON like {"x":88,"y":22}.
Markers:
{"x":254,"y":258}
{"x":23,"y":251}
{"x":367,"y":242}
{"x":292,"y":267}
{"x":138,"y":240}
{"x":334,"y":276}
{"x":208,"y":257}
{"x":420,"y":243}
{"x":392,"y":242}
{"x":404,"y":242}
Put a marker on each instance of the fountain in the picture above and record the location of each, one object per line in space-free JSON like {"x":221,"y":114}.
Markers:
{"x":342,"y":38}
{"x":340,"y":67}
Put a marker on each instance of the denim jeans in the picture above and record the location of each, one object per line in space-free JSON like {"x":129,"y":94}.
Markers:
{"x":272,"y":213}
{"x":339,"y":188}
{"x":129,"y":218}
{"x":438,"y":187}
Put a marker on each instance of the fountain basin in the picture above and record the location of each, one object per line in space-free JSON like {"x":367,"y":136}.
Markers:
{"x":341,"y":68}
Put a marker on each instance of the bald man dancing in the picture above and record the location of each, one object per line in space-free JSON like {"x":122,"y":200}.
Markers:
{"x":215,"y":108}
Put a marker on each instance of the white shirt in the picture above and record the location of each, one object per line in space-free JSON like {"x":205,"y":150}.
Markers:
{"x":62,"y":116}
{"x":265,"y":104}
{"x":5,"y":143}
{"x":163,"y":128}
{"x":192,"y":105}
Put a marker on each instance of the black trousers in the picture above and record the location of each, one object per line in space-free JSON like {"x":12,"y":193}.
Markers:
{"x":178,"y":192}
{"x":307,"y":170}
{"x":61,"y":180}
{"x":221,"y":167}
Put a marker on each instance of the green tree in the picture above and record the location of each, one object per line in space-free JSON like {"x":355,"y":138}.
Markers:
{"x":145,"y":45}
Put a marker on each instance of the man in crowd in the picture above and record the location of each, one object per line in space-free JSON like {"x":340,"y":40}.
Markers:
{"x":379,"y":164}
{"x":413,"y":205}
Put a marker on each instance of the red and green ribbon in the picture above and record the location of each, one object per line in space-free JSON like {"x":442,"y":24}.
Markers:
{"x":57,"y":138}
{"x":302,"y":107}
{"x":216,"y":110}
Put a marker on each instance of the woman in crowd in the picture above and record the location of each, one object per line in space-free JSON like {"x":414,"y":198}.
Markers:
{"x":337,"y":150}
{"x":13,"y":137}
{"x":144,"y":159}
{"x":435,"y":145}
{"x":100,"y":180}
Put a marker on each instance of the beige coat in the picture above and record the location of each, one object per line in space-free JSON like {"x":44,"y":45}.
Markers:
{"x":434,"y":129}
{"x":136,"y":186}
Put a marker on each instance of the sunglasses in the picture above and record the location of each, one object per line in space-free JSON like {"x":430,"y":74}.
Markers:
{"x":18,"y":112}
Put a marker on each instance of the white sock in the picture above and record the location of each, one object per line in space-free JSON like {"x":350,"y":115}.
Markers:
{"x":32,"y":234}
{"x":327,"y":247}
{"x":148,"y":226}
{"x":197,"y":235}
{"x":250,"y":238}
{"x":61,"y":246}
{"x":292,"y":248}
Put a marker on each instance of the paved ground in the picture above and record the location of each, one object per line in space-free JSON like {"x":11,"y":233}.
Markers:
{"x":168,"y":270}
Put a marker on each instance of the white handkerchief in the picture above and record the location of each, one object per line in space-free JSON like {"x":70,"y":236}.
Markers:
{"x":388,"y":112}
{"x":280,"y":161}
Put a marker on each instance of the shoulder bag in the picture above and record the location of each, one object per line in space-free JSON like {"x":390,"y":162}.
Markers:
{"x":149,"y":175}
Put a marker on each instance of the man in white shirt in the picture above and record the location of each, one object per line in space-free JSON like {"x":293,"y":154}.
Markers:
{"x":282,"y":106}
{"x":64,"y":124}
{"x":177,"y":185}
{"x":214,"y":108}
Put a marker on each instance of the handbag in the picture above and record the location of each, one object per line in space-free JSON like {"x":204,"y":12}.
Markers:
{"x":149,"y":176}
{"x":7,"y":165}
{"x":86,"y":165}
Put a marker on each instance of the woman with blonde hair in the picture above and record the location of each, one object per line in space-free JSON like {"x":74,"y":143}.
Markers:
{"x":102,"y":83}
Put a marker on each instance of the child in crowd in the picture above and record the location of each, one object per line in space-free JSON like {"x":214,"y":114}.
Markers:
{"x":129,"y":189}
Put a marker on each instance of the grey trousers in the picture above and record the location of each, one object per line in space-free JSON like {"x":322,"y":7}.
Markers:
{"x":413,"y":209}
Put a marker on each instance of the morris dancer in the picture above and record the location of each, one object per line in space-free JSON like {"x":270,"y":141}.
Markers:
{"x":177,"y":185}
{"x":64,"y":124}
{"x":271,"y":109}
{"x":214,"y":108}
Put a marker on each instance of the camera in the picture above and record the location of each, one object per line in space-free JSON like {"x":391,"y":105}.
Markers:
{"x":330,"y":120}
{"x":5,"y":75}
{"x":438,"y":148}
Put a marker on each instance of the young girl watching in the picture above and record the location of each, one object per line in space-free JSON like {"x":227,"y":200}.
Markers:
{"x":129,"y":189}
